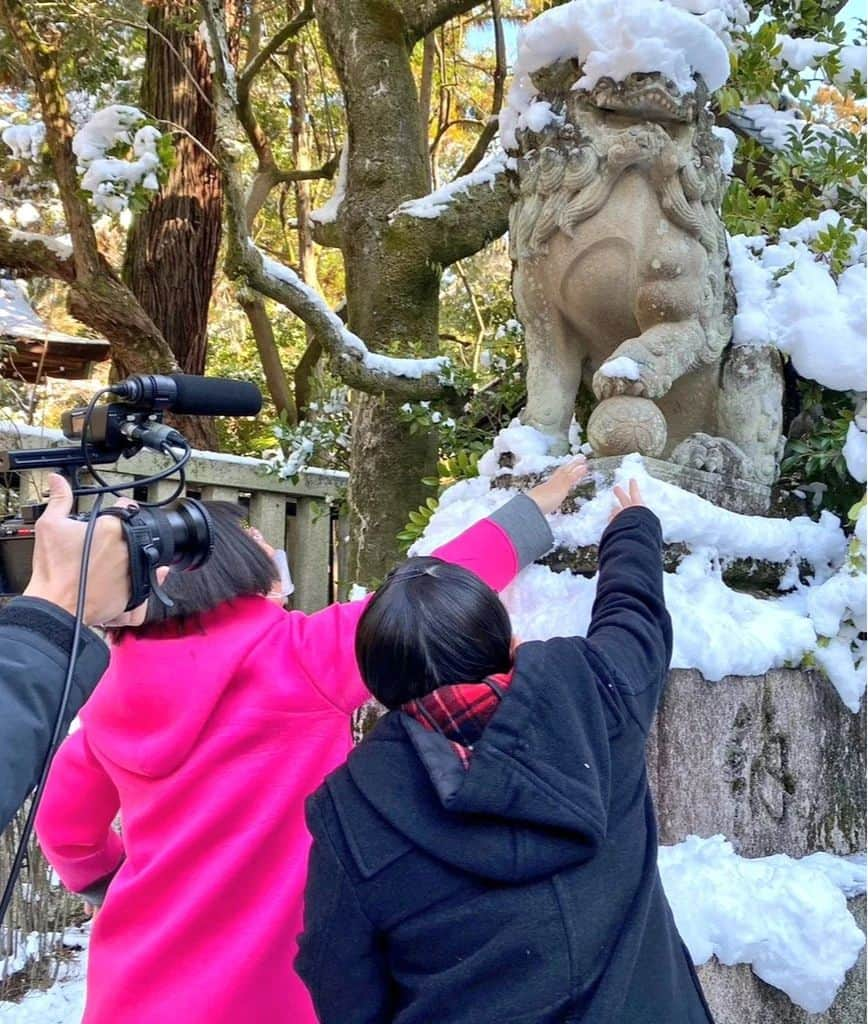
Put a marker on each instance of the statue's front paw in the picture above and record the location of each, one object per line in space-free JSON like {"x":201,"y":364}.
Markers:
{"x":623,"y":375}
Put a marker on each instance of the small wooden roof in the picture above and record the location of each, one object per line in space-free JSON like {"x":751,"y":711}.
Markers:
{"x":35,"y":351}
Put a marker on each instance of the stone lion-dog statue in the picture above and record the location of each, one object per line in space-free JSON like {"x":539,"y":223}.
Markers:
{"x":620,"y":276}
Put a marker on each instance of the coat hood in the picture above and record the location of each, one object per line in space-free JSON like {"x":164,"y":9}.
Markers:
{"x":149,"y":709}
{"x":534,"y":798}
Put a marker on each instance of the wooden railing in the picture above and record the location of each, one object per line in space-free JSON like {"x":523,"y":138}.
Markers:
{"x":303,"y":517}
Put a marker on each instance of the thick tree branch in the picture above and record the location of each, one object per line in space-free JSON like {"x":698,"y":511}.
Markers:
{"x":351,"y":360}
{"x":423,"y":16}
{"x":96,"y":297}
{"x":459,"y":219}
{"x":32,"y":256}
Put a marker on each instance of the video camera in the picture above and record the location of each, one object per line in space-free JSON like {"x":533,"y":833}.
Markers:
{"x":180,"y":537}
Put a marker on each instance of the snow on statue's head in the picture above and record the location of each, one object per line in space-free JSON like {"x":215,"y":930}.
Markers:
{"x":647,"y":59}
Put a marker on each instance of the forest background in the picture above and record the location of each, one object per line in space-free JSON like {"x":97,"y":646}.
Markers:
{"x":182,"y":266}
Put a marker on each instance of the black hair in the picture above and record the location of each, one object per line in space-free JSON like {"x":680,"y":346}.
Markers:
{"x":431,"y":624}
{"x":238,"y":567}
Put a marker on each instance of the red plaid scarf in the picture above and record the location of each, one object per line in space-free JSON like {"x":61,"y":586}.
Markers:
{"x":460,"y":712}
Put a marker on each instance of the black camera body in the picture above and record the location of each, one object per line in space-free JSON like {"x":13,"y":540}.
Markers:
{"x":180,"y":537}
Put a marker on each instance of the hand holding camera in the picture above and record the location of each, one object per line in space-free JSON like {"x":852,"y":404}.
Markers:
{"x":57,"y":557}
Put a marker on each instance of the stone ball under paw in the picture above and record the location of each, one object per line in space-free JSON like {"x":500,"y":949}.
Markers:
{"x":625,"y":424}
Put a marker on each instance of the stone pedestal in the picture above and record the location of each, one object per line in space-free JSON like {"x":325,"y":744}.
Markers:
{"x":777,"y":764}
{"x":742,"y":496}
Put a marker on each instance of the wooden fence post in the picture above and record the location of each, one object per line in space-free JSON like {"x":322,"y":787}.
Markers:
{"x":310,"y":554}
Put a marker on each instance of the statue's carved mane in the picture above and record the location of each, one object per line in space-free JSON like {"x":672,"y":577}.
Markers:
{"x":567,"y":172}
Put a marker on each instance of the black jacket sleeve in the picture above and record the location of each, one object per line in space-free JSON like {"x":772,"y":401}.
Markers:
{"x":630,"y":626}
{"x":35,"y":643}
{"x":340,"y":959}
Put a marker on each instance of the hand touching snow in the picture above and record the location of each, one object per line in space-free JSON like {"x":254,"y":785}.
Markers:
{"x":625,"y":500}
{"x":550,"y":494}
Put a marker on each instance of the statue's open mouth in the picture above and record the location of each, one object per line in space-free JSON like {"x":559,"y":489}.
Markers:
{"x":644,"y":95}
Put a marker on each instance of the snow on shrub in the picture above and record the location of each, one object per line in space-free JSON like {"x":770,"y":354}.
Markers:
{"x":121,"y":157}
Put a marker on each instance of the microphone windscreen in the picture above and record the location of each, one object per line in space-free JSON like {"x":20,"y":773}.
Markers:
{"x":214,"y":396}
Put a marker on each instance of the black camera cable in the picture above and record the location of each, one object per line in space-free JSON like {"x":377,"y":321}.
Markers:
{"x":57,"y":730}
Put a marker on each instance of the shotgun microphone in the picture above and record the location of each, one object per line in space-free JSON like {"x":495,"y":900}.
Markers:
{"x":189,"y":395}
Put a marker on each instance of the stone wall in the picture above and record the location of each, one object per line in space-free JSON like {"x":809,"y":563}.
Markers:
{"x":777,"y":764}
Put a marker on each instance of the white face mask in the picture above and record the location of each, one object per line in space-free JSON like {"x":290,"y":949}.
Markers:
{"x":285,"y":584}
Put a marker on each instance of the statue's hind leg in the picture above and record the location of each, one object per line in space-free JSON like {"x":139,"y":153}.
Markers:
{"x":554,"y":361}
{"x":750,"y":410}
{"x":746,"y":442}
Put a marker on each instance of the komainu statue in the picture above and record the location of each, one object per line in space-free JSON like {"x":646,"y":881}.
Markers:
{"x":620,"y":274}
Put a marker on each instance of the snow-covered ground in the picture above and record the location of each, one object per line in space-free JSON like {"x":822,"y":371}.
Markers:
{"x":63,"y":1003}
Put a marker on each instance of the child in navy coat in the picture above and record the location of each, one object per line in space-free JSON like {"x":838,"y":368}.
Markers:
{"x":489,"y":854}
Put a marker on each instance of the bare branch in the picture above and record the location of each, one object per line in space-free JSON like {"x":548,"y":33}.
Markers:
{"x":280,"y":37}
{"x":487,"y":134}
{"x":423,"y":16}
{"x":351,"y":360}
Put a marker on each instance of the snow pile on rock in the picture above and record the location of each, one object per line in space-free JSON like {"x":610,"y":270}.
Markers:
{"x":615,"y":41}
{"x":111,"y":180}
{"x":789,"y":298}
{"x":787,"y":918}
{"x":813,"y":620}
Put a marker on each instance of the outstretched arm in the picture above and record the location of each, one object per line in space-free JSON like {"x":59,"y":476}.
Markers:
{"x":495,"y":548}
{"x":74,"y":823}
{"x":630,"y":625}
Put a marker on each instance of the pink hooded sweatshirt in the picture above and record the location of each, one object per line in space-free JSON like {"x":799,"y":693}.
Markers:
{"x":208,"y":744}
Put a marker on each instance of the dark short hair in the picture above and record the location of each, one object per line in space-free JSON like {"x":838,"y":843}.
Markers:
{"x":431,"y":624}
{"x":238,"y":567}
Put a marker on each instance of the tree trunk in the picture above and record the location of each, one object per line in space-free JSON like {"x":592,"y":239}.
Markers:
{"x":392,"y":291}
{"x":173,"y":245}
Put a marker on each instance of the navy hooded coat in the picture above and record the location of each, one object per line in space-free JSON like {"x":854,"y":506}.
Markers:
{"x":524,"y":889}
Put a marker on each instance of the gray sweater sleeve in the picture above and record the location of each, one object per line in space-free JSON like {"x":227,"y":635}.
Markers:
{"x":35,"y":641}
{"x":527,"y":528}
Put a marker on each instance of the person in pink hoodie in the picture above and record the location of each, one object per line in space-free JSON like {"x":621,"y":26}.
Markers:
{"x":207,"y":733}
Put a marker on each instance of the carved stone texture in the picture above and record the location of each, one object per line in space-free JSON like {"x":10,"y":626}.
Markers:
{"x":775,"y":763}
{"x":627,"y":424}
{"x":737,"y":996}
{"x":743,"y":496}
{"x":619,"y":251}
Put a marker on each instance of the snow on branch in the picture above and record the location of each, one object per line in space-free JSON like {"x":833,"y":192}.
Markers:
{"x":461,"y":217}
{"x":25,"y":140}
{"x":31,"y":255}
{"x":354,"y":363}
{"x":112,"y":180}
